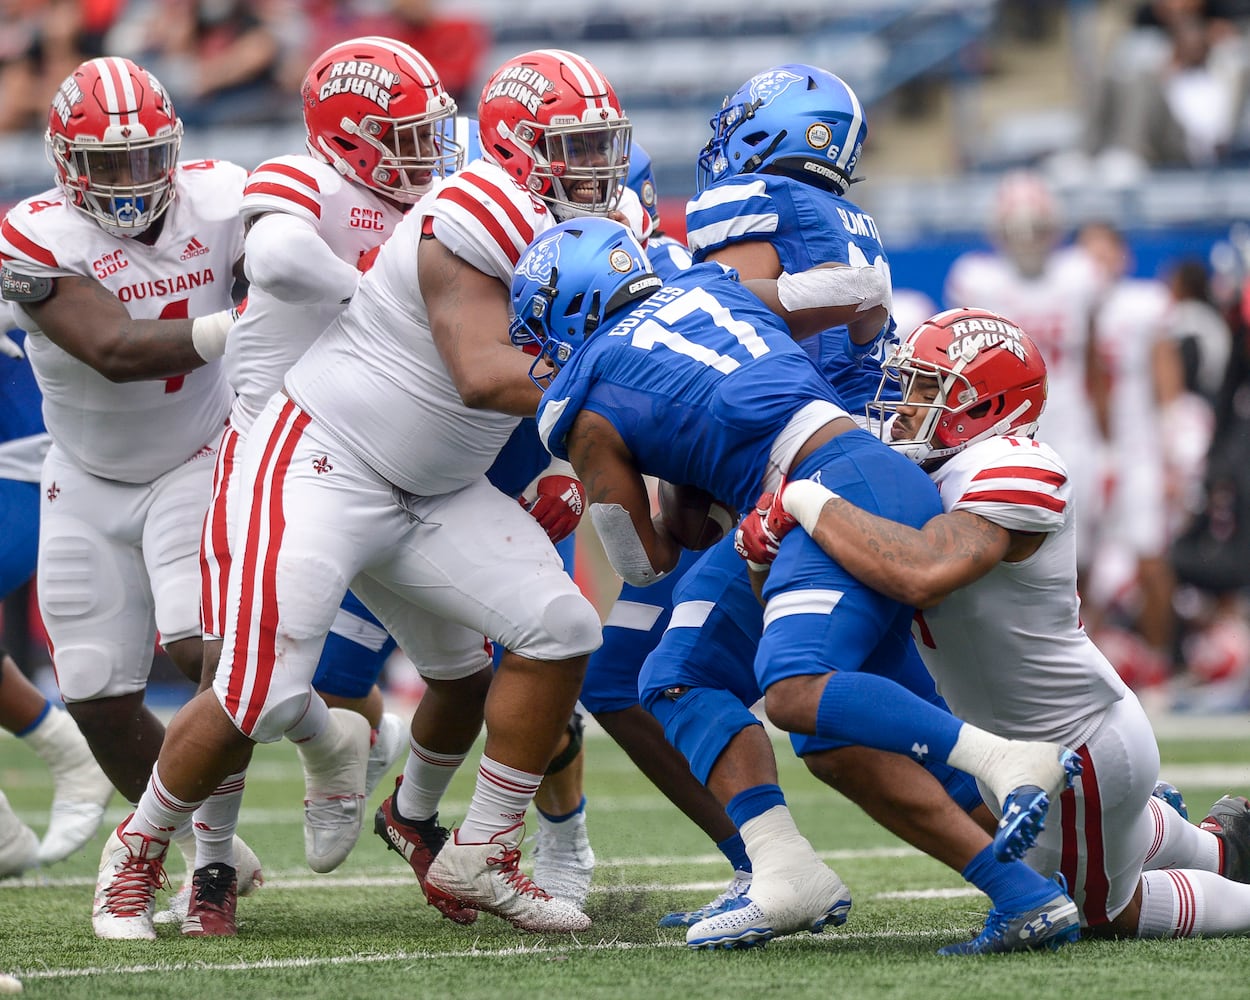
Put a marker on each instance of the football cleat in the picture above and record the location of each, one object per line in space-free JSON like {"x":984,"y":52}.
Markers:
{"x":250,"y":875}
{"x":1024,"y":813}
{"x":488,"y":877}
{"x":1052,"y":924}
{"x":80,"y":789}
{"x":738,"y":886}
{"x":19,"y":846}
{"x":1170,"y":794}
{"x":418,"y":843}
{"x":1229,"y":820}
{"x":131,"y":870}
{"x":335,"y":764}
{"x":214,"y":893}
{"x":564,"y":862}
{"x":389,"y":743}
{"x":810,"y":900}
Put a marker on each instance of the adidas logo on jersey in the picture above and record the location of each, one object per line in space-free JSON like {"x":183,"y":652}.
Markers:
{"x":194,"y":249}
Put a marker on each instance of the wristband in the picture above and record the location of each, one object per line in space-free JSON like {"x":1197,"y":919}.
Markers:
{"x":803,"y":500}
{"x":208,"y":333}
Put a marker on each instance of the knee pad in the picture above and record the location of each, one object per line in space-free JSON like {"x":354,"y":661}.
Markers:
{"x":87,"y":671}
{"x":566,"y":756}
{"x":700,"y":722}
{"x":570,"y":627}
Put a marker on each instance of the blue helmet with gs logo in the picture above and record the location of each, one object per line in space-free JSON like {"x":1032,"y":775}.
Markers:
{"x":793,"y":119}
{"x":568,"y":282}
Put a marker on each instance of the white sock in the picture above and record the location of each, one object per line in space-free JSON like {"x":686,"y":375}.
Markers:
{"x":499,"y":801}
{"x":1005,"y":765}
{"x":159,"y":814}
{"x":426,"y":777}
{"x":1189,"y":903}
{"x":216,"y":821}
{"x":773,"y":842}
{"x":1179,"y":843}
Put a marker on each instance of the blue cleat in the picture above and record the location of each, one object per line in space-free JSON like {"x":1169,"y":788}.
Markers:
{"x":738,"y":888}
{"x":809,"y":901}
{"x":1170,"y":794}
{"x":1053,"y":924}
{"x":1024,"y":813}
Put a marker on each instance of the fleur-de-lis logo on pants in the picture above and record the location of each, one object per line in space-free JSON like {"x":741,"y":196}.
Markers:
{"x":322,"y":465}
{"x":54,"y":491}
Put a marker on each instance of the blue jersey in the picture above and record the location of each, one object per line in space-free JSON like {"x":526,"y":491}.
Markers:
{"x":698,"y":380}
{"x":807,"y":226}
{"x":667,"y":256}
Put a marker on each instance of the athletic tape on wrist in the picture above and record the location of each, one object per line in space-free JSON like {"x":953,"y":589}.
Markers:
{"x":823,"y":287}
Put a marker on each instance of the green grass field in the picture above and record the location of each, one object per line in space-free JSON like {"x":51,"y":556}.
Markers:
{"x":365,"y":930}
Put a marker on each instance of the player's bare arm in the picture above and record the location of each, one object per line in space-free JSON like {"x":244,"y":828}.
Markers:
{"x":612,"y":480}
{"x":469,"y":314}
{"x":919,"y":568}
{"x":85,"y":319}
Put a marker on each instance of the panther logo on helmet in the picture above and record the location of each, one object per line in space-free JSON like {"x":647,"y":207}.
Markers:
{"x":765,"y":87}
{"x":539,"y":261}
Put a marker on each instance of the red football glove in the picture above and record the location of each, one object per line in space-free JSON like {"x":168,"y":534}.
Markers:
{"x":761,"y":531}
{"x":558,"y":506}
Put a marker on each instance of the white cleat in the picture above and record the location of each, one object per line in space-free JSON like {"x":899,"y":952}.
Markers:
{"x":131,"y":870}
{"x":779,"y":903}
{"x":564,"y":862}
{"x":251,"y":878}
{"x":487,"y":877}
{"x":334,"y":780}
{"x":80,"y":789}
{"x":390,"y":745}
{"x":19,"y":845}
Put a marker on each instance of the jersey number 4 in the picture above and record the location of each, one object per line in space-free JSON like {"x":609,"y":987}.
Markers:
{"x":175,"y":310}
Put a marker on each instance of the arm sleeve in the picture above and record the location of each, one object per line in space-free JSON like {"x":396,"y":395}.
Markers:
{"x":288,"y":259}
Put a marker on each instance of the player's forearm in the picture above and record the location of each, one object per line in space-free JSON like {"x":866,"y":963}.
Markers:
{"x":147,"y":349}
{"x":287,"y":258}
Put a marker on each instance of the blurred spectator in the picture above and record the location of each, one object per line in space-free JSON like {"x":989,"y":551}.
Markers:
{"x":219,"y":59}
{"x":1173,"y":93}
{"x":40,"y":44}
{"x":1130,"y":579}
{"x":455,"y":43}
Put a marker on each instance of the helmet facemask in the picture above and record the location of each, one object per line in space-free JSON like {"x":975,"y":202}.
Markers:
{"x":579,"y":169}
{"x":125,"y":186}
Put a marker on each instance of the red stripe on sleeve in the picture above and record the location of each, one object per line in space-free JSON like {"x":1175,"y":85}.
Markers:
{"x":484,"y":217}
{"x":31,"y":249}
{"x":503,"y":201}
{"x":285,"y":193}
{"x":1049,"y":476}
{"x":1025,"y":498}
{"x":308,"y":180}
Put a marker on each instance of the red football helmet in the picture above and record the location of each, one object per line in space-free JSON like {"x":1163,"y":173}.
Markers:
{"x":114,"y":138}
{"x":986,"y":377}
{"x":376,"y":110}
{"x":1026,"y":220}
{"x":554,"y":123}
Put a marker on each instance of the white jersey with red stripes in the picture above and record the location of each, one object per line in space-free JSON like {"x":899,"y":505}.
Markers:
{"x":375,"y":377}
{"x":272,"y":335}
{"x":135,"y":431}
{"x":1008,"y":652}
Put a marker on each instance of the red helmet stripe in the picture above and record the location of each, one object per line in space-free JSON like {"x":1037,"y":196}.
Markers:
{"x":119,"y":91}
{"x":590,"y":81}
{"x":419,"y":66}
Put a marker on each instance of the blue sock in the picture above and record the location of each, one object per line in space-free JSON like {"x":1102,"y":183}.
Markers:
{"x":581,"y":807}
{"x":47,"y":707}
{"x":736,"y":851}
{"x":754,"y":802}
{"x":872,"y":711}
{"x":1012,"y":886}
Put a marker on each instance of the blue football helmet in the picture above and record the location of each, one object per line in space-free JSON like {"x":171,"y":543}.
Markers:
{"x":792,"y":119}
{"x":568,"y":282}
{"x":642,"y":182}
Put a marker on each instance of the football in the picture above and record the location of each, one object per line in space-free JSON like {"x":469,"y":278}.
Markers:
{"x":693,"y":516}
